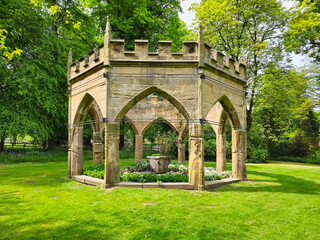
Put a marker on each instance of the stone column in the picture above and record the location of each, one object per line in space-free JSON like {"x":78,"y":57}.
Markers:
{"x":221,"y":151}
{"x":112,"y":162}
{"x":239,"y":149}
{"x":196,"y":160}
{"x":69,"y":150}
{"x":97,"y":148}
{"x":138,"y":146}
{"x":76,"y":151}
{"x":181,"y":148}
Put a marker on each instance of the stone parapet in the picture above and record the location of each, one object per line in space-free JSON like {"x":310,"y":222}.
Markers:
{"x":190,"y":52}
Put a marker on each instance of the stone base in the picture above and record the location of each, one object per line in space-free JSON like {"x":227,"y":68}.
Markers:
{"x":159,"y":164}
{"x":177,"y":185}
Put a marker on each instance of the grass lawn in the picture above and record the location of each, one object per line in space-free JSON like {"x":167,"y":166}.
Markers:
{"x":38,"y":201}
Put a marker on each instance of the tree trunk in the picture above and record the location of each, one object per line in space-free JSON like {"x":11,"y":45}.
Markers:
{"x":253,"y":93}
{"x":1,"y":145}
{"x":50,"y":143}
{"x":121,"y":140}
{"x":44,"y":145}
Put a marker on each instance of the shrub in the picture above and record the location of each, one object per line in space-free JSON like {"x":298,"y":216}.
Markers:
{"x":211,"y":174}
{"x":257,"y":155}
{"x":299,"y":159}
{"x":149,"y":177}
{"x":178,"y":168}
{"x":95,"y":171}
{"x":142,"y":166}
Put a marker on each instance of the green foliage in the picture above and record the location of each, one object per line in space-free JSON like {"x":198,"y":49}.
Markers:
{"x":303,"y":34}
{"x":181,"y":168}
{"x":95,"y":171}
{"x":257,"y":155}
{"x":141,"y":19}
{"x":283,"y":110}
{"x":43,"y":32}
{"x":150,"y":177}
{"x":244,"y":30}
{"x":142,"y":166}
{"x":315,"y":160}
{"x":160,"y":130}
{"x":209,"y":141}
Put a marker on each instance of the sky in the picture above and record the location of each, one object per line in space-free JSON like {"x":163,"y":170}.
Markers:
{"x":187,"y":16}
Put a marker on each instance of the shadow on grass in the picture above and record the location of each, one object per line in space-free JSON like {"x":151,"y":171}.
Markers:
{"x":276,"y":183}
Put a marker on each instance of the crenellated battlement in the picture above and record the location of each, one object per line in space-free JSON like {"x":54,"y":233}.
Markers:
{"x":117,"y":51}
{"x":113,"y":51}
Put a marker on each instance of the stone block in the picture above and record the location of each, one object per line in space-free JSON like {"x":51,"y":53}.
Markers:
{"x":141,"y":49}
{"x":229,"y":63}
{"x":117,"y":48}
{"x":218,"y":57}
{"x":189,"y":48}
{"x":129,"y":184}
{"x":151,"y":185}
{"x":165,"y":48}
{"x":177,"y":185}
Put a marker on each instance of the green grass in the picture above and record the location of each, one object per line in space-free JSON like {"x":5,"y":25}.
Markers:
{"x":38,"y":201}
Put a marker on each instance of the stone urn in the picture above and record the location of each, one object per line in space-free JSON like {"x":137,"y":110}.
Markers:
{"x":159,"y":164}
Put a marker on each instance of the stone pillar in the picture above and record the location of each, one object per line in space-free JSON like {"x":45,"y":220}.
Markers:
{"x":76,"y":151}
{"x":221,"y":151}
{"x":97,"y":148}
{"x":112,"y":162}
{"x":239,"y":149}
{"x":138,"y":146}
{"x":181,"y":148}
{"x":69,"y":150}
{"x":196,"y":160}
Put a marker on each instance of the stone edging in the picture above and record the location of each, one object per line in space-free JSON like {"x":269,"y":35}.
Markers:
{"x":178,"y":185}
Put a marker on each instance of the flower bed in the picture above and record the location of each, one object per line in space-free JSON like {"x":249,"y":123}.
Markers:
{"x":178,"y":172}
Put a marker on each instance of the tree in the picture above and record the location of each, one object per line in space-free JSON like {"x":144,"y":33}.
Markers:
{"x":247,"y":29}
{"x":33,"y":87}
{"x":303,"y":35}
{"x":33,"y":95}
{"x":141,"y":19}
{"x":283,"y":112}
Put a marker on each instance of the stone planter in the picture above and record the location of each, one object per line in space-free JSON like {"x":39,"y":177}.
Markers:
{"x":159,"y":164}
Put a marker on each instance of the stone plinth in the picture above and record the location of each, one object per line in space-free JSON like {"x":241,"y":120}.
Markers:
{"x":159,"y":164}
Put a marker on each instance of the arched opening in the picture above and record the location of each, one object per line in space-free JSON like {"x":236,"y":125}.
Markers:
{"x":127,"y":140}
{"x":229,"y":134}
{"x":112,"y":174}
{"x":145,"y":93}
{"x":87,"y":118}
{"x":157,"y":133}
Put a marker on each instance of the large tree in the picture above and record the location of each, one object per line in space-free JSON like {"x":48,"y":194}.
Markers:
{"x":244,"y":29}
{"x":33,"y":87}
{"x":303,"y":35}
{"x":141,"y":19}
{"x":284,"y":113}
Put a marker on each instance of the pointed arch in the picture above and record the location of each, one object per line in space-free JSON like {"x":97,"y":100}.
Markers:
{"x":147,"y":92}
{"x":131,"y":124}
{"x":89,"y":105}
{"x":229,"y":110}
{"x":159,"y":119}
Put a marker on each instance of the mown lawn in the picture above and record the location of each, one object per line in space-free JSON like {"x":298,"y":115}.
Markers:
{"x":280,"y":201}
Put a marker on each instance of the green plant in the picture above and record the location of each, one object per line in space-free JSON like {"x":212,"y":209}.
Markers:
{"x":141,"y":166}
{"x":257,"y":155}
{"x":163,"y":142}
